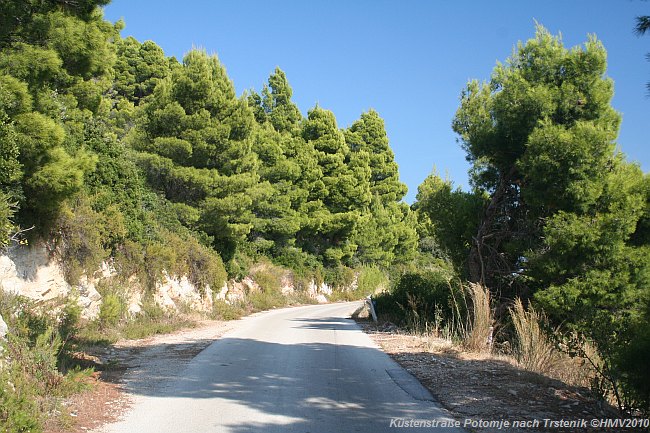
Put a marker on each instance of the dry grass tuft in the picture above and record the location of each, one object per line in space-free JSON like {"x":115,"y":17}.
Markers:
{"x":532,"y":348}
{"x":535,"y":351}
{"x":477,"y":335}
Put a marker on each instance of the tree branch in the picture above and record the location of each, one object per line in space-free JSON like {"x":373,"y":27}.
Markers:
{"x":642,"y":25}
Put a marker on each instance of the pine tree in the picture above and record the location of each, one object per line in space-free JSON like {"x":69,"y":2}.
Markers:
{"x":384,"y":235}
{"x":138,"y":68}
{"x":197,"y":148}
{"x":283,"y":114}
{"x":561,"y":100}
{"x":565,"y":209}
{"x":332,"y":223}
{"x":54,"y":67}
{"x":368,"y":135}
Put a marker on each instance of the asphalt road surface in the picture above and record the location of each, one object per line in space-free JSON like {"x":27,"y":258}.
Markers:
{"x":305,"y":369}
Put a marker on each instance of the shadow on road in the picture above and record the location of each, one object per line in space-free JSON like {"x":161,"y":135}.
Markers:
{"x":328,"y":324}
{"x":255,"y":385}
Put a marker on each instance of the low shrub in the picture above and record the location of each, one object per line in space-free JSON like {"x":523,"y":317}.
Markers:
{"x":340,"y":278}
{"x":79,"y":239}
{"x":225,"y":311}
{"x":114,"y":305}
{"x":152,"y":320}
{"x":268,"y":276}
{"x":370,"y":280}
{"x":419,"y":300}
{"x":341,"y":296}
{"x":172,"y":253}
{"x":7,"y":210}
{"x":111,"y":309}
{"x":129,"y":259}
{"x":633,"y":364}
{"x":267,"y":299}
{"x":70,"y":319}
{"x":300,"y":297}
{"x":352,"y":284}
{"x":304,"y":266}
{"x":31,"y":382}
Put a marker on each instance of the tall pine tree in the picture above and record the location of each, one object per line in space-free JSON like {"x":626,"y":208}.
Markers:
{"x":197,"y":148}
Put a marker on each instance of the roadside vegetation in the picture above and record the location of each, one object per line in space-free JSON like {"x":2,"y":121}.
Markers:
{"x":553,"y":236}
{"x":112,"y":151}
{"x":36,"y":369}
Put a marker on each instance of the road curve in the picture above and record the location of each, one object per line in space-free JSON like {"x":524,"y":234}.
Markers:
{"x":305,"y":369}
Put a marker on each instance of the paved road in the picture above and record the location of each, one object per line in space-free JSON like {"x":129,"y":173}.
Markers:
{"x":306,"y":369}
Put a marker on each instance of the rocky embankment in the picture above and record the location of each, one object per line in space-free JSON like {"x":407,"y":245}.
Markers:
{"x":34,"y":272}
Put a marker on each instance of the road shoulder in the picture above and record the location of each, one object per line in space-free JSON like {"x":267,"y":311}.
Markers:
{"x":132,"y":367}
{"x":482,"y":387}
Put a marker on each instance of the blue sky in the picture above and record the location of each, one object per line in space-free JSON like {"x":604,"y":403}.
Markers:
{"x":407,"y":59}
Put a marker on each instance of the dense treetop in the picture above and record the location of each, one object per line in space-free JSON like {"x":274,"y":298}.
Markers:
{"x":565,"y":221}
{"x":87,"y":116}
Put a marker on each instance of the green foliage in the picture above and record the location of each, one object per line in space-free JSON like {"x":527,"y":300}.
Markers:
{"x":14,"y":98}
{"x":81,"y":239}
{"x":82,"y":45}
{"x":10,"y":167}
{"x":266,"y":300}
{"x":270,"y":279}
{"x":371,"y":280}
{"x":20,"y":409}
{"x":385,"y":233}
{"x":111,"y":310}
{"x":51,"y":174}
{"x":6,"y":224}
{"x":154,"y":320}
{"x":447,"y":219}
{"x":32,"y":384}
{"x":279,"y":200}
{"x":195,"y":134}
{"x":70,"y":320}
{"x":339,"y":278}
{"x":275,"y":104}
{"x":113,"y":323}
{"x":353,"y":284}
{"x":304,"y":267}
{"x":265,"y":187}
{"x":566,"y":213}
{"x":631,"y":362}
{"x":225,"y":311}
{"x":18,"y":17}
{"x":421,"y":299}
{"x":138,"y":69}
{"x":368,"y":135}
{"x":546,"y":155}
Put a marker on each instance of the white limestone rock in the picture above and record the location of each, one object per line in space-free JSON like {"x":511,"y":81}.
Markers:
{"x":3,"y":329}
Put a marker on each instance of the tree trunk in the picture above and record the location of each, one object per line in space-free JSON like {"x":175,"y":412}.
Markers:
{"x":478,"y":268}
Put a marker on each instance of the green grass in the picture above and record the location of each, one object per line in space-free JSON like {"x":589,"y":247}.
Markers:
{"x":152,"y":320}
{"x":221,"y":310}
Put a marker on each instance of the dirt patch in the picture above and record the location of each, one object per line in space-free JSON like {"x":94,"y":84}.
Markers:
{"x":489,"y":388}
{"x":103,"y":403}
{"x":133,"y":367}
